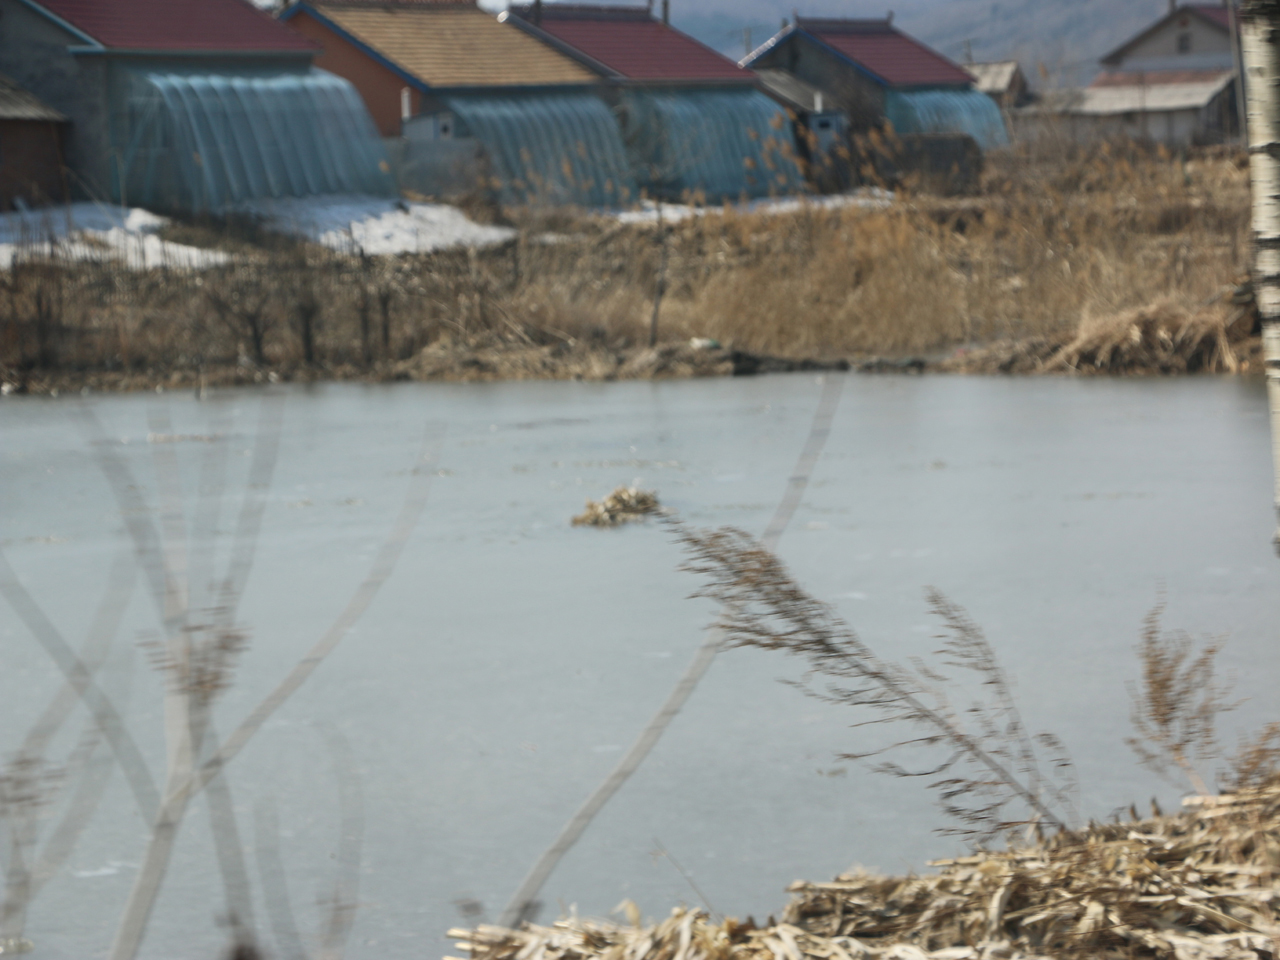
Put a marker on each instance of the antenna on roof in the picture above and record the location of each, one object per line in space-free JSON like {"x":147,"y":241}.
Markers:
{"x":666,"y":13}
{"x":537,"y":11}
{"x":889,"y":18}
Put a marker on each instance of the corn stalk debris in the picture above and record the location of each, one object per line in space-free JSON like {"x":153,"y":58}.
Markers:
{"x":1198,"y":885}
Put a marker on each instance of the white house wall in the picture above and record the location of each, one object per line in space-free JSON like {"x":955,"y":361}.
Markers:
{"x":1210,"y":48}
{"x":1173,"y":128}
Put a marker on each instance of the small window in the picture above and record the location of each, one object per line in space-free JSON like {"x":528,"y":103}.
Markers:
{"x":824,"y":124}
{"x":1184,"y":43}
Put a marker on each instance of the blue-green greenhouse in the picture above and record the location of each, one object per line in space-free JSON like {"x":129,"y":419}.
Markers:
{"x":947,"y":111}
{"x":709,"y":144}
{"x":201,"y":141}
{"x":547,"y":146}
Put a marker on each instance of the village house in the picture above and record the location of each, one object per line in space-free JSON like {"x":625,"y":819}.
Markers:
{"x":466,"y":102}
{"x":397,"y":53}
{"x":190,"y":105}
{"x":32,"y":169}
{"x":626,"y":43}
{"x":871,"y":72}
{"x":1175,"y":83}
{"x":1001,"y":80}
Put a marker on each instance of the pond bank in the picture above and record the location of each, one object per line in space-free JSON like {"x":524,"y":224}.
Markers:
{"x":493,"y":361}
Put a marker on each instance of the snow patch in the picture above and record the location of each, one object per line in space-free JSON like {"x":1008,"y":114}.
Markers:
{"x":349,"y":224}
{"x":96,"y":232}
{"x":374,"y":225}
{"x":872,"y":198}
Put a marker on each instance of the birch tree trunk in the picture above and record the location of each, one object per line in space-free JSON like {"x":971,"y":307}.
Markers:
{"x":1260,"y":48}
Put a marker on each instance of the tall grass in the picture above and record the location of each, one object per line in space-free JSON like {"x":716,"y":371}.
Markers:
{"x":1043,"y":245}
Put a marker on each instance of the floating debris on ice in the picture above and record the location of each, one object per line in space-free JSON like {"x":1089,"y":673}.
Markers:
{"x":622,"y":506}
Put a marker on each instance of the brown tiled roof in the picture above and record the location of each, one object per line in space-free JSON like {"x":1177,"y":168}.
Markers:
{"x":18,"y":104}
{"x":453,"y":44}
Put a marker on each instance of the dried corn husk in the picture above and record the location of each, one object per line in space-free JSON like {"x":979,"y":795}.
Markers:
{"x":623,"y":505}
{"x":1201,"y":885}
{"x":1163,"y":337}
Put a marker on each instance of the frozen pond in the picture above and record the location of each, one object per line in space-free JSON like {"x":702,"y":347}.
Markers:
{"x":510,"y":659}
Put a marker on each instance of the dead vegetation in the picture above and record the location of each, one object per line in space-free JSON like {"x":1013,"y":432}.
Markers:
{"x":1176,"y":707}
{"x":989,"y":773}
{"x":1199,"y":885}
{"x":1126,"y":238}
{"x":1164,"y":337}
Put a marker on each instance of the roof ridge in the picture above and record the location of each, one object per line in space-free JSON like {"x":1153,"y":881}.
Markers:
{"x":19,"y":103}
{"x":363,"y":4}
{"x":892,"y":57}
{"x":583,"y":11}
{"x":846,"y":24}
{"x":1206,"y":11}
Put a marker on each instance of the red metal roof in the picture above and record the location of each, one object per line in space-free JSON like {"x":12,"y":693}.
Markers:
{"x":892,"y":56}
{"x":179,"y":25}
{"x":630,"y":42}
{"x":1217,"y":13}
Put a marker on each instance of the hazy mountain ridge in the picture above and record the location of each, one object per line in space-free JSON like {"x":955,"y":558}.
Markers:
{"x":1058,"y":42}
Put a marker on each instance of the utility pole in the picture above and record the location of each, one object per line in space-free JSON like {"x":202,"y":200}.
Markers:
{"x":1260,"y":50}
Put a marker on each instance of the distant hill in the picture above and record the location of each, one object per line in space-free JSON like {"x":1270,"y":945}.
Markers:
{"x":1058,"y":42}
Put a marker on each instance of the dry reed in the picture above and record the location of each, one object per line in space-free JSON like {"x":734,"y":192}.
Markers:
{"x":1041,"y":246}
{"x":989,"y":772}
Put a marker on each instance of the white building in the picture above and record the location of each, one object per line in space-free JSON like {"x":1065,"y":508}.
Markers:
{"x":1002,"y":81}
{"x":1174,"y":83}
{"x":1190,"y":37}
